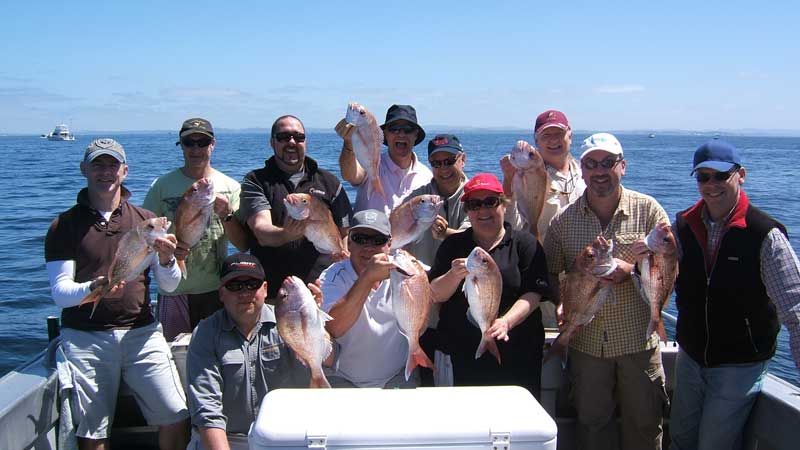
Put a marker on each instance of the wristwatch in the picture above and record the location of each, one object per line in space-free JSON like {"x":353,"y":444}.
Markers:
{"x":169,"y":263}
{"x":228,"y":218}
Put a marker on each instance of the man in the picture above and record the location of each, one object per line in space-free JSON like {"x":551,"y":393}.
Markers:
{"x":610,"y":361}
{"x":355,"y":292}
{"x":196,"y":297}
{"x":236,"y":356}
{"x":739,"y":280}
{"x":121,"y":340}
{"x":400,"y":171}
{"x":278,"y":239}
{"x":553,"y":138}
{"x":447,"y":158}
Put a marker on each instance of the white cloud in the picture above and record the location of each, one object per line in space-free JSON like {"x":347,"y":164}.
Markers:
{"x":618,"y":89}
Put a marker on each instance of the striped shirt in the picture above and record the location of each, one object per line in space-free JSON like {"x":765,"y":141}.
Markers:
{"x":620,"y":327}
{"x":780,"y":273}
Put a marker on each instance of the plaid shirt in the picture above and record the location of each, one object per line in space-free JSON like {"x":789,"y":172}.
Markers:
{"x":780,"y":273}
{"x":619,"y":328}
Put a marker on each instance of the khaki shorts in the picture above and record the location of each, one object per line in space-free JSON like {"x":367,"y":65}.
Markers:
{"x":141,"y":358}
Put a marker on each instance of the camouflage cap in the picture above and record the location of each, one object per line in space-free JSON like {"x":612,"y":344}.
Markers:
{"x":104,"y":146}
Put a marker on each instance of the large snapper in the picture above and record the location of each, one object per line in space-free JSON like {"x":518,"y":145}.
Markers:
{"x":411,"y":303}
{"x":134,"y":254}
{"x":320,"y":229}
{"x":409,"y":220}
{"x":367,"y":140}
{"x":658,"y":273}
{"x":582,"y":293}
{"x":302,"y":325}
{"x":193,"y":215}
{"x":530,"y":183}
{"x":483,"y":288}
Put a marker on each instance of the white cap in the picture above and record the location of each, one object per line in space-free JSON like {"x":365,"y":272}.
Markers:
{"x":601,"y":141}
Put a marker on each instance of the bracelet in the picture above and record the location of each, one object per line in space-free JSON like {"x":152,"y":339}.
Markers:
{"x":169,"y":263}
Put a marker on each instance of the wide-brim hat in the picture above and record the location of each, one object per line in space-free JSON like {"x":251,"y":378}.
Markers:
{"x":403,"y":112}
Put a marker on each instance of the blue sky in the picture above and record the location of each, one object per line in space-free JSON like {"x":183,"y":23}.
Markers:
{"x":608,"y":65}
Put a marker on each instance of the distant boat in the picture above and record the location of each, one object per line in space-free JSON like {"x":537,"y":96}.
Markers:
{"x":652,"y":135}
{"x":60,"y":133}
{"x":716,"y":135}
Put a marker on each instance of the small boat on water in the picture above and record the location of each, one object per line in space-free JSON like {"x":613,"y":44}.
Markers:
{"x":652,"y":135}
{"x":60,"y":133}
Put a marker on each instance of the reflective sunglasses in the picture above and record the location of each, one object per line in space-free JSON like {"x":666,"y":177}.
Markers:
{"x":716,"y":176}
{"x":202,"y":142}
{"x":377,"y":240}
{"x":474,"y":204}
{"x":285,"y":136}
{"x":443,"y":162}
{"x":236,"y":286}
{"x":405,"y":129}
{"x":607,"y":163}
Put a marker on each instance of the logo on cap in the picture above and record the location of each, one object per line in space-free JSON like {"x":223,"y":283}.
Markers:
{"x":370,"y":217}
{"x":244,"y":265}
{"x":551,"y":115}
{"x":196,"y":123}
{"x":440,"y":141}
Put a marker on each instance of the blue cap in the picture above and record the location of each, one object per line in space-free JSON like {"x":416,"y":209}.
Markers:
{"x":717,"y":155}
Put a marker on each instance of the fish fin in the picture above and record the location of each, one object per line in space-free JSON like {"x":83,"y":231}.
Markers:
{"x":491,"y":345}
{"x":424,"y":266}
{"x":324,"y":316}
{"x":318,"y":380}
{"x":417,"y":357}
{"x":182,"y":266}
{"x":94,"y":297}
{"x":658,"y":327}
{"x":557,"y":348}
{"x":377,"y":186}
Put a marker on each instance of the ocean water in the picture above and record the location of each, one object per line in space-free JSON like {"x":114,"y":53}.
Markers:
{"x":39,"y":179}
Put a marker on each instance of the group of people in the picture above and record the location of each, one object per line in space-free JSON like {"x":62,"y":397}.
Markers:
{"x":739,"y":279}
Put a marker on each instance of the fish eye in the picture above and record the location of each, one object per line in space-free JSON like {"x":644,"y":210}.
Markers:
{"x":305,"y":201}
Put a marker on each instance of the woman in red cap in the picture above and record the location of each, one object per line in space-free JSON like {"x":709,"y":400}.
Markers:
{"x":517,"y":331}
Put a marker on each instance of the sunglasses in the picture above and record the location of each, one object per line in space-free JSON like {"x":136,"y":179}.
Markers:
{"x":443,"y":162}
{"x":202,"y":142}
{"x":607,"y":163}
{"x":285,"y":136}
{"x":405,"y":129}
{"x":716,"y":176}
{"x":377,"y":240}
{"x":474,"y":204}
{"x":236,"y":286}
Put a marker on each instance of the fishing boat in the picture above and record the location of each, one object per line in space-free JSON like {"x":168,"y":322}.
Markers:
{"x":60,"y":133}
{"x":29,"y":406}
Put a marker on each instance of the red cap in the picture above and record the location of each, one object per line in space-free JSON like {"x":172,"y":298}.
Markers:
{"x":482,"y":182}
{"x":551,"y":118}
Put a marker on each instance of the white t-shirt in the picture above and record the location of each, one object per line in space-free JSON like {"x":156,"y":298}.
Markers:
{"x":372,"y":351}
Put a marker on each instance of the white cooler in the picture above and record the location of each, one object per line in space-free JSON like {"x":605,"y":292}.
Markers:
{"x":498,"y":418}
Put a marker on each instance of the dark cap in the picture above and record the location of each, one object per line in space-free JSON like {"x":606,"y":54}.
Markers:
{"x":372,"y":219}
{"x":717,"y":155}
{"x":195,"y":125}
{"x":550,"y":118}
{"x":241,"y":265}
{"x":104,"y":146}
{"x":403,"y":112}
{"x":444,"y":143}
{"x":482,"y":182}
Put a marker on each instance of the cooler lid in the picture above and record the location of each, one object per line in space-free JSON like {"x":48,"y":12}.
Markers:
{"x":370,"y":416}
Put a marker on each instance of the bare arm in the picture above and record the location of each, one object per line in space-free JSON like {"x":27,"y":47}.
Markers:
{"x":233,"y":228}
{"x":214,"y":438}
{"x":508,"y":175}
{"x":269,"y":235}
{"x":518,"y":312}
{"x":351,"y":170}
{"x":347,"y":309}
{"x":445,"y":286}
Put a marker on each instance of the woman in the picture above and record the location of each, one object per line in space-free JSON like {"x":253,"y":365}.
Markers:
{"x":518,"y":328}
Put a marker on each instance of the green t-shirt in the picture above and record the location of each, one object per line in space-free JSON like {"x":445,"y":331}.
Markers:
{"x":205,"y":258}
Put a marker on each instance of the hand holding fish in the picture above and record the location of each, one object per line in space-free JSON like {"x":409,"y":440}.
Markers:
{"x":316,"y":291}
{"x":115,"y":291}
{"x":345,"y":131}
{"x":458,"y":268}
{"x":499,"y":329}
{"x":182,"y":250}
{"x":165,"y":247}
{"x":293,"y":229}
{"x":439,"y":228}
{"x":221,"y":206}
{"x":622,"y":272}
{"x":640,"y":251}
{"x":378,"y":268}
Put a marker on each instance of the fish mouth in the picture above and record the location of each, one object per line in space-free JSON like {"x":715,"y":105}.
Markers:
{"x":402,"y":271}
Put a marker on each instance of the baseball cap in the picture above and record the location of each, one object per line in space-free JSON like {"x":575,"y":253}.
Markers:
{"x":482,"y":182}
{"x":403,"y":112}
{"x":104,"y":146}
{"x":195,"y":125}
{"x":372,"y":219}
{"x":601,"y":141}
{"x":241,"y":265}
{"x":718,"y":155}
{"x":551,"y":118}
{"x":444,"y":143}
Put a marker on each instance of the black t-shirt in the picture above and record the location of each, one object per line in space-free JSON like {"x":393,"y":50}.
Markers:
{"x":523,"y":267}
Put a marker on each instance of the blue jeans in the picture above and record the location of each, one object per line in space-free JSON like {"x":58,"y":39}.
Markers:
{"x":711,"y":404}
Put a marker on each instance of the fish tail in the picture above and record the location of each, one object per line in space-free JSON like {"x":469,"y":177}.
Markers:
{"x":318,"y":379}
{"x":93,"y":297}
{"x":658,"y":327}
{"x":417,"y":357}
{"x":377,"y":186}
{"x":557,"y":348}
{"x":490,"y":345}
{"x":182,"y":266}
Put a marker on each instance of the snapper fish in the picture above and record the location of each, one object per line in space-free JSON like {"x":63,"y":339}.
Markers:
{"x":134,"y":254}
{"x":411,"y":303}
{"x":658,"y":274}
{"x":302,"y":325}
{"x":483,"y":287}
{"x":320,"y":229}
{"x":412,"y":218}
{"x":530,"y":183}
{"x":193,"y":215}
{"x":367,"y":140}
{"x":582,"y":292}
